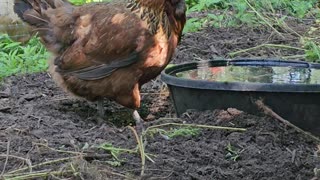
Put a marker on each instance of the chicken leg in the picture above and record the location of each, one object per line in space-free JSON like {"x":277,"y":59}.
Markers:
{"x":100,"y":108}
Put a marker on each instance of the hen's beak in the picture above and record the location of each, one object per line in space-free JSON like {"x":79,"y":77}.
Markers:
{"x":139,"y":121}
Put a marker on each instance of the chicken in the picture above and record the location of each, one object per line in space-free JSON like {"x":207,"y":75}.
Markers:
{"x":106,"y":50}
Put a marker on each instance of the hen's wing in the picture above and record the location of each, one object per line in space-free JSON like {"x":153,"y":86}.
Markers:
{"x":107,"y":37}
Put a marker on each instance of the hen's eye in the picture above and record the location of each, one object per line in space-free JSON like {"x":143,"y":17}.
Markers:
{"x":175,"y":1}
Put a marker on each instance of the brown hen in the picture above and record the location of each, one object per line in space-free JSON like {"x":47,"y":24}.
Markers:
{"x":106,"y":50}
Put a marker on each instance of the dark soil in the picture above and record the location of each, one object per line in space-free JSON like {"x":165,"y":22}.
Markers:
{"x":213,"y":43}
{"x":40,"y":123}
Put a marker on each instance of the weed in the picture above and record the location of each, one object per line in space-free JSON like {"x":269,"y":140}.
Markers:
{"x":230,"y":13}
{"x":193,"y":25}
{"x":233,"y":153}
{"x":114,"y":151}
{"x":16,"y":58}
{"x":312,"y":51}
{"x":200,"y":5}
{"x":175,"y":132}
{"x":184,"y":132}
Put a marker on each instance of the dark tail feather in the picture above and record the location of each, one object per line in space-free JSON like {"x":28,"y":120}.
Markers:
{"x":44,"y":17}
{"x":30,"y":11}
{"x":20,"y":7}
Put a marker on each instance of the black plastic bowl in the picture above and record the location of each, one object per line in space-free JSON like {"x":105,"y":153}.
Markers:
{"x":298,"y":103}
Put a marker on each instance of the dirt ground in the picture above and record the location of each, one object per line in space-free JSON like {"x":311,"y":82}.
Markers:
{"x":43,"y":129}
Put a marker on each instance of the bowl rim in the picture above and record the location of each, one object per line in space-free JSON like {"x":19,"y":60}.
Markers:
{"x":171,"y":80}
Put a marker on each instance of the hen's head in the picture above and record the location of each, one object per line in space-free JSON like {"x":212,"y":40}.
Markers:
{"x":176,"y":11}
{"x":179,"y":7}
{"x":176,"y":6}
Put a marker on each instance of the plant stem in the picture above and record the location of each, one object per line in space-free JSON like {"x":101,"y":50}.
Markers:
{"x":141,"y":149}
{"x":195,"y":125}
{"x":43,"y":164}
{"x":60,"y":151}
{"x":37,"y":175}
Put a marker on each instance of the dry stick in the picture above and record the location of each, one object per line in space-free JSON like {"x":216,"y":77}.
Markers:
{"x":13,"y":156}
{"x":60,"y":151}
{"x":141,"y":149}
{"x":271,"y":113}
{"x":7,"y":158}
{"x":133,"y":170}
{"x":39,"y":175}
{"x":25,"y":173}
{"x":298,"y":56}
{"x":43,"y":164}
{"x":116,"y":174}
{"x":49,"y":162}
{"x":27,"y":161}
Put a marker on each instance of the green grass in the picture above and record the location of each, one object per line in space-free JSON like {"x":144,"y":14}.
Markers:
{"x":230,"y":13}
{"x":16,"y":58}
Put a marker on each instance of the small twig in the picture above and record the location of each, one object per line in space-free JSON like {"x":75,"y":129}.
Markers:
{"x":13,"y":156}
{"x":43,"y":164}
{"x":116,"y":174}
{"x":163,"y":119}
{"x":7,"y":158}
{"x":298,"y":56}
{"x":133,"y":170}
{"x":37,"y":175}
{"x":119,"y":149}
{"x":163,"y":177}
{"x":52,"y":161}
{"x":141,"y":149}
{"x":271,"y":113}
{"x":293,"y":154}
{"x":60,"y":151}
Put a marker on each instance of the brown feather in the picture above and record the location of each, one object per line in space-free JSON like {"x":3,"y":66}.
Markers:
{"x":107,"y":49}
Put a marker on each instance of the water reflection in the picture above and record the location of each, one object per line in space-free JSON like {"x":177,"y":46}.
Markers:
{"x":256,"y":74}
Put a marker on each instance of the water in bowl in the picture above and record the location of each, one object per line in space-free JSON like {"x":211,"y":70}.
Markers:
{"x":254,"y":74}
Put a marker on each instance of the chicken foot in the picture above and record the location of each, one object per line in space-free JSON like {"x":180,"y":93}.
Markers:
{"x":136,"y":116}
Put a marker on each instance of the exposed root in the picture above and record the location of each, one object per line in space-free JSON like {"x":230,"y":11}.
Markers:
{"x":7,"y":158}
{"x":268,"y":111}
